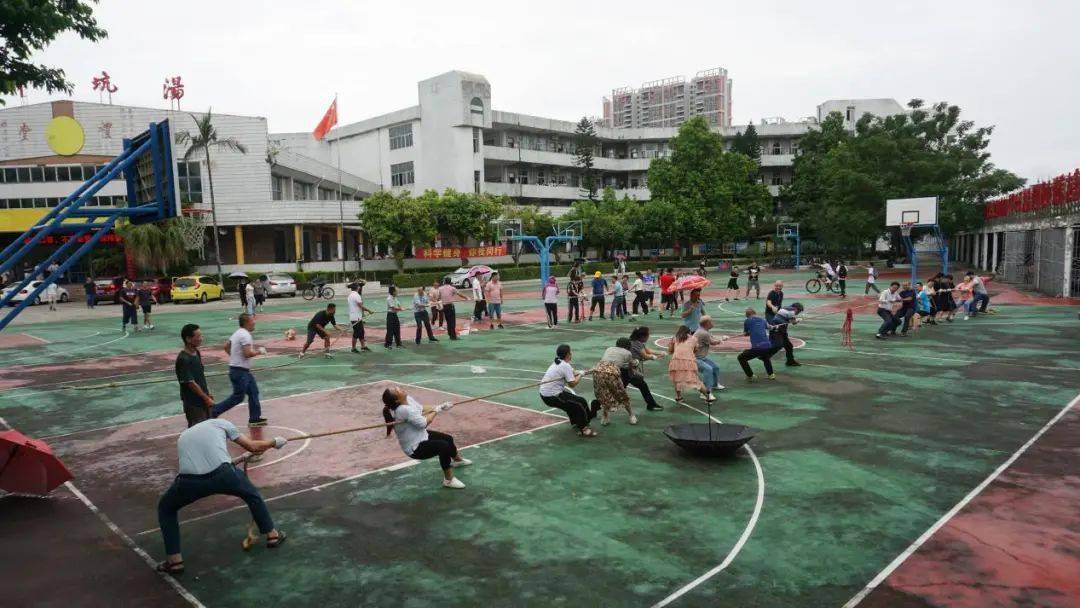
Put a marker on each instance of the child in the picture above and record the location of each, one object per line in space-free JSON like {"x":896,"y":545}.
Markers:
{"x":683,"y":368}
{"x":922,"y":306}
{"x":871,"y":279}
{"x":733,"y":284}
{"x":965,"y":290}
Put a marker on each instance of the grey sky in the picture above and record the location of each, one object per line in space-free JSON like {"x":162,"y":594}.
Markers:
{"x":1015,"y":65}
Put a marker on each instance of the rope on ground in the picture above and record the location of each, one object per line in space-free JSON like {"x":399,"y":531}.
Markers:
{"x":455,"y":403}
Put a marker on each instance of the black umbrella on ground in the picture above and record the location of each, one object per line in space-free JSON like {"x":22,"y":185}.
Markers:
{"x":710,"y":438}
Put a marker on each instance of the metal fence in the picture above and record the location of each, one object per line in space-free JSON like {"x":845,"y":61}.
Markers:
{"x":1050,"y":278}
{"x":1074,"y":287}
{"x":1018,"y":263}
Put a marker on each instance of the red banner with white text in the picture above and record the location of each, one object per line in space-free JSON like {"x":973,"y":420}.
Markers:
{"x":456,"y":253}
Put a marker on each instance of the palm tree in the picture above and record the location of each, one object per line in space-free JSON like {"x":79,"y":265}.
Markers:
{"x":157,"y":245}
{"x":204,"y":137}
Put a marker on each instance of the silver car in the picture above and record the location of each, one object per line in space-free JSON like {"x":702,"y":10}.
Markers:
{"x":61,"y":294}
{"x":281,"y":285}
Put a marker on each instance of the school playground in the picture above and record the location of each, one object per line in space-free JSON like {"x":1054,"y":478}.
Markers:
{"x":936,"y":470}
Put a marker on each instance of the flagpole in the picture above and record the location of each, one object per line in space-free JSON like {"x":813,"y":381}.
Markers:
{"x":341,"y":205}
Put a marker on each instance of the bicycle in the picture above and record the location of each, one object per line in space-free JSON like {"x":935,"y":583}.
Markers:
{"x":320,"y":290}
{"x":815,"y":284}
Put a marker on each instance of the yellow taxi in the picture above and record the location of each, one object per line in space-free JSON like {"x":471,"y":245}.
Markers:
{"x":196,"y":288}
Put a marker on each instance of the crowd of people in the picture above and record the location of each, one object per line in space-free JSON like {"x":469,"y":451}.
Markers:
{"x":906,"y":307}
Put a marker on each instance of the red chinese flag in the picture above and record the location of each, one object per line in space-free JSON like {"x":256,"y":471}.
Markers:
{"x":328,"y":121}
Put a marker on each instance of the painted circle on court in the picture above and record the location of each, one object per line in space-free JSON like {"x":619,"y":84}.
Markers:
{"x":731,"y":345}
{"x":65,"y":135}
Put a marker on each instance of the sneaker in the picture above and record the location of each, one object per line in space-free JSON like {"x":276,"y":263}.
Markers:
{"x":365,"y":349}
{"x":501,"y":326}
{"x":965,"y":317}
{"x":300,"y":356}
{"x":355,"y":351}
{"x":720,"y":387}
{"x":633,"y":419}
{"x":751,"y":378}
{"x":656,"y":407}
{"x":386,"y":346}
{"x":431,"y":340}
{"x":328,"y":355}
{"x":464,"y":462}
{"x":709,"y":398}
{"x":258,"y":422}
{"x":793,"y":363}
{"x":879,"y":336}
{"x":772,"y":376}
{"x":151,"y":327}
{"x":454,"y":484}
{"x":417,"y":342}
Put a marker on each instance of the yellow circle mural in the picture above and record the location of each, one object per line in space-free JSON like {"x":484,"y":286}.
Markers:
{"x":65,"y":135}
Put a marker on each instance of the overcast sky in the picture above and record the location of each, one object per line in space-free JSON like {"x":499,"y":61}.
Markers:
{"x":1015,"y":65}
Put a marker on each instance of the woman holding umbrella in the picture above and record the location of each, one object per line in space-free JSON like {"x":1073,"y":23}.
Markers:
{"x":693,"y":308}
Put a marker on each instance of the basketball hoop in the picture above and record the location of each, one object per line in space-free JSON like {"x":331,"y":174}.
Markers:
{"x":905,"y":228}
{"x":193,"y":227}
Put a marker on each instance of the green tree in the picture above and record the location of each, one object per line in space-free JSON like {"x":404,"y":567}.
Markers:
{"x":203,"y":139}
{"x":30,"y":25}
{"x":157,"y":245}
{"x":584,"y":142}
{"x":606,"y":222}
{"x":715,"y":194}
{"x":463,"y":215}
{"x":650,"y":224}
{"x":400,"y":221}
{"x":842,"y":179}
{"x":747,"y":143}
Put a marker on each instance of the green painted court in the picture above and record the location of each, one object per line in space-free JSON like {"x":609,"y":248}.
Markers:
{"x":861,"y":454}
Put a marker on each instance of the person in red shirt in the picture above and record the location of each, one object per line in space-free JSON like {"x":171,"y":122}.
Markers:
{"x":667,"y":300}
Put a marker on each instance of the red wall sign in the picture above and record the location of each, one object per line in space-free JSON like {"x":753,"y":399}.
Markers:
{"x":59,"y":239}
{"x":455,"y":253}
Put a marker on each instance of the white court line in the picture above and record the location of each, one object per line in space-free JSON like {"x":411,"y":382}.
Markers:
{"x":881,"y":576}
{"x":63,"y":361}
{"x":745,"y":536}
{"x":394,"y":467}
{"x":184,"y":593}
{"x":42,"y":340}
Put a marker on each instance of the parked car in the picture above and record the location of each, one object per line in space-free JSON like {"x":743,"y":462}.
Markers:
{"x":281,"y":285}
{"x":196,"y":288}
{"x":106,"y":291}
{"x":161,"y":288}
{"x":62,"y":295}
{"x":460,"y":277}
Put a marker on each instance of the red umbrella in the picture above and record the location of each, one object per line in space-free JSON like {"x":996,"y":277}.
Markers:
{"x":690,"y":281}
{"x":28,"y":466}
{"x":478,"y":269}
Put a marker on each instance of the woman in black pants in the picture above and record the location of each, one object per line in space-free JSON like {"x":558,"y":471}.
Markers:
{"x":407,"y":418}
{"x":393,"y":324}
{"x":555,"y":391}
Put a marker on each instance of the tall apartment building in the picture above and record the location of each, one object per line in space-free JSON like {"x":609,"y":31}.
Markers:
{"x":669,"y":102}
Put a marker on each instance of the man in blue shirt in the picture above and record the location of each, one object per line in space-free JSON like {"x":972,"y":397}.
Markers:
{"x":761,"y":346}
{"x":599,"y":288}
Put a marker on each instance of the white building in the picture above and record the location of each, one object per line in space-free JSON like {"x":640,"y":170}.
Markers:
{"x":669,"y":102}
{"x":273,"y":206}
{"x":454,"y":138}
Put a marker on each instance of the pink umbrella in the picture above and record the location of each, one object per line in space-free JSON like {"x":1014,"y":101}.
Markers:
{"x":478,"y":269}
{"x":688,"y":282}
{"x":28,"y":466}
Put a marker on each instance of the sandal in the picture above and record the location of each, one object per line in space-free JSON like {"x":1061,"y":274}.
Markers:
{"x":274,"y":543}
{"x":173,"y":568}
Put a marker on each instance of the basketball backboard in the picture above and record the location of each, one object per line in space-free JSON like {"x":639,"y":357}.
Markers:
{"x":151,"y":179}
{"x":911,"y":211}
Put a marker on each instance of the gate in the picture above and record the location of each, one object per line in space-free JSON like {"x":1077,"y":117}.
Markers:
{"x":1019,"y":257}
{"x":1051,"y":259}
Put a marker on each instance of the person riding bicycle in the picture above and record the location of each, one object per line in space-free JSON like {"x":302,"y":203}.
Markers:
{"x":830,"y":274}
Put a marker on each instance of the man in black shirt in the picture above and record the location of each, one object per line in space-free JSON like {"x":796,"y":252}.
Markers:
{"x":773,"y":301}
{"x":753,"y":279}
{"x":841,"y":273}
{"x":194,"y":393}
{"x":317,"y":327}
{"x":129,"y":299}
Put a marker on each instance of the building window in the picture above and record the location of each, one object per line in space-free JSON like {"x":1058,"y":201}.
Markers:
{"x":850,"y":114}
{"x":188,"y":175}
{"x":277,"y":186}
{"x":476,"y":181}
{"x":401,"y":136}
{"x":327,"y":194}
{"x":777,"y":180}
{"x":523,"y":176}
{"x":303,"y":191}
{"x":794,"y":147}
{"x":776,"y":149}
{"x":401,"y":174}
{"x":476,"y":140}
{"x":476,"y":106}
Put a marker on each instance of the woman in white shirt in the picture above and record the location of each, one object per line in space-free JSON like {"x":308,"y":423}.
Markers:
{"x":555,"y":391}
{"x":393,"y":324}
{"x":551,"y":302}
{"x":410,"y":422}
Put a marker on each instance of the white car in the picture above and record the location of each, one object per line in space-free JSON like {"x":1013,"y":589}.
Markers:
{"x":460,"y":278}
{"x":61,"y":295}
{"x":281,"y":285}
